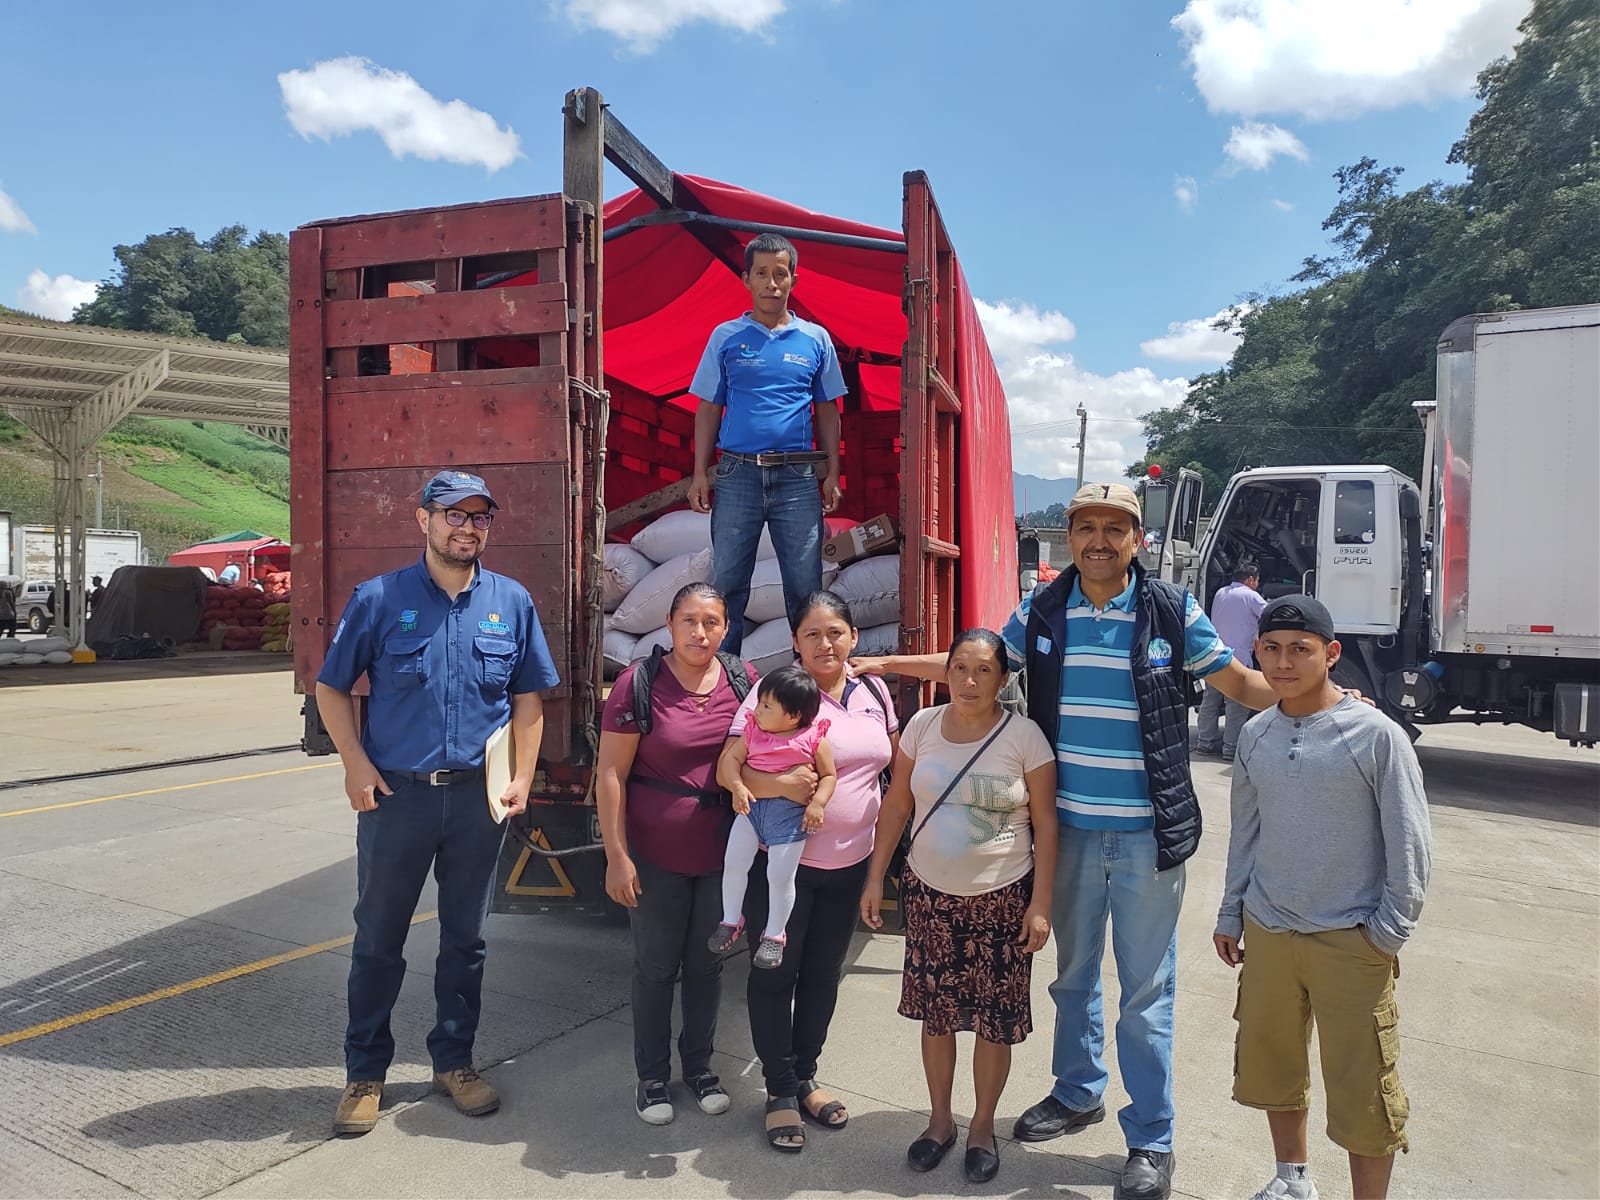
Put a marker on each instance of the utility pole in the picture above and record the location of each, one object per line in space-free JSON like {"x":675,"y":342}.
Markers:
{"x":1083,"y":432}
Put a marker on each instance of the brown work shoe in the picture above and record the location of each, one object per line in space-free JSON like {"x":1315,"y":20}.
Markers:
{"x":468,"y":1089}
{"x":358,"y":1107}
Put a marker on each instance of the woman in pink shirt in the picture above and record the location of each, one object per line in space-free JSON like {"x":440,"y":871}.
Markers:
{"x":791,"y":1006}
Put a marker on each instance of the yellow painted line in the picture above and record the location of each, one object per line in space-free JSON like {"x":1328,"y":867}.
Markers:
{"x":177,"y":787}
{"x":179,"y":989}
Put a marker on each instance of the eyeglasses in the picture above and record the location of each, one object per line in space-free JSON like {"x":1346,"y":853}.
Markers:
{"x":456,"y":518}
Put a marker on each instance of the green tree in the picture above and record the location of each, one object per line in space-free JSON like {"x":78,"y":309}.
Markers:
{"x":229,"y":288}
{"x":1329,"y":373}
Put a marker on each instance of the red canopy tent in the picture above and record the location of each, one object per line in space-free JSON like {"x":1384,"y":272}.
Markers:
{"x":671,"y":275}
{"x":252,"y":556}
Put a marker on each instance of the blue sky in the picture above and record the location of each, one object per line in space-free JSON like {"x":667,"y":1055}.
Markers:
{"x":1113,"y":174}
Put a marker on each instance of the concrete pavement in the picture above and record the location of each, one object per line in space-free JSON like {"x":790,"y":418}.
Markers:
{"x":230,"y":1085}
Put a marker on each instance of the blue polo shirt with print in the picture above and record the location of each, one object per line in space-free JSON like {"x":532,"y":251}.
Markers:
{"x":1100,"y":774}
{"x":766,"y":380}
{"x":442,"y":671}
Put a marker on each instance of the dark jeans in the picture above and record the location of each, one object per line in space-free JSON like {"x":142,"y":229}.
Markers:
{"x":787,"y":501}
{"x":792,"y":1005}
{"x":420,"y":826}
{"x":674,"y":920}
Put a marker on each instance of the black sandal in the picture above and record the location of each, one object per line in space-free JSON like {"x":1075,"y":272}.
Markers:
{"x":796,"y":1130}
{"x":825,"y":1115}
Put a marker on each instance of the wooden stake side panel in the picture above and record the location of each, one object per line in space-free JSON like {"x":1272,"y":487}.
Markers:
{"x":463,"y":231}
{"x":363,"y":444}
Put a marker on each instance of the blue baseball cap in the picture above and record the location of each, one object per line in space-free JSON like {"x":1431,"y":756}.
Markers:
{"x":452,"y":487}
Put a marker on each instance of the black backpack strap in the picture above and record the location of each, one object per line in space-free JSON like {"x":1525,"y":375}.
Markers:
{"x":644,"y":679}
{"x":875,"y":686}
{"x":738,"y":674}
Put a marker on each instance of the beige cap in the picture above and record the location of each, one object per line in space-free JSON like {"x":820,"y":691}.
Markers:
{"x":1107,"y":495}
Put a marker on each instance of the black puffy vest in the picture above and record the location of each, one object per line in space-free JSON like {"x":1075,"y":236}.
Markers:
{"x":1163,"y":695}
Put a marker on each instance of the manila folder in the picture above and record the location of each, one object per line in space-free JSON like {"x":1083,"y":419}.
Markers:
{"x":498,"y":754}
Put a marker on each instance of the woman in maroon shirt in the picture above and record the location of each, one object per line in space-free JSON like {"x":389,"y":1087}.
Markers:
{"x":665,"y":825}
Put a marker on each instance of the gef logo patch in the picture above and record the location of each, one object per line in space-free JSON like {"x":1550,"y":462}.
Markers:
{"x":408,"y":620}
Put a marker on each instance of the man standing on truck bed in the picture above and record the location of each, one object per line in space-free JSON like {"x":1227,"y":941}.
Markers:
{"x":452,"y":652}
{"x":1110,"y":652}
{"x":759,"y":382}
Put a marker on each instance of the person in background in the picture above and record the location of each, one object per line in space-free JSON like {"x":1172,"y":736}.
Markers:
{"x":979,"y":787}
{"x":1234,"y":611}
{"x":8,"y":611}
{"x":1328,"y":863}
{"x":97,"y":593}
{"x":452,"y":652}
{"x":230,"y":575}
{"x":665,"y":823}
{"x":792,"y":1005}
{"x":769,"y":384}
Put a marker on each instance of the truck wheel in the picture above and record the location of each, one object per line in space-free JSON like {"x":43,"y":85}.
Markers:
{"x":1349,"y":674}
{"x":35,"y":621}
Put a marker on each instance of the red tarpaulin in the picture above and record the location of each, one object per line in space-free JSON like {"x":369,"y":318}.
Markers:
{"x":217,"y":555}
{"x":664,"y":292}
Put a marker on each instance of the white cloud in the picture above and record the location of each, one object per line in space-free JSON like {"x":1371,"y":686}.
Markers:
{"x":1014,"y":329}
{"x":644,"y":24}
{"x":1282,"y":205}
{"x":1254,"y":145}
{"x":54,"y":298}
{"x":1199,"y":340}
{"x":12,"y":218}
{"x":1186,"y":192}
{"x":342,"y":96}
{"x":1325,"y":59}
{"x":1044,"y":389}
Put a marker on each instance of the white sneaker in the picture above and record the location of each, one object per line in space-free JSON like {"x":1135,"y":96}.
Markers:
{"x":653,"y":1102}
{"x":1279,"y":1188}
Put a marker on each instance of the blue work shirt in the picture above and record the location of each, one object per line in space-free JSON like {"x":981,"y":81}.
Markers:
{"x":766,"y":380}
{"x":442,"y":672}
{"x":1101,"y":782}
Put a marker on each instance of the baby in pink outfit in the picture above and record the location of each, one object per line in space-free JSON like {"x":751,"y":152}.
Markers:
{"x":783,"y":732}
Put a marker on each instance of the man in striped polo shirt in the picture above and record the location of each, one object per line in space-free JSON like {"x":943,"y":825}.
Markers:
{"x":1110,"y":656}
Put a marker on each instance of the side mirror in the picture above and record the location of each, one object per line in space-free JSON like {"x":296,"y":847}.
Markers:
{"x":1410,"y":505}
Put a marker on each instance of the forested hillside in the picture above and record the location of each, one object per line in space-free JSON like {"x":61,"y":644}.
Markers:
{"x":1327,"y":372}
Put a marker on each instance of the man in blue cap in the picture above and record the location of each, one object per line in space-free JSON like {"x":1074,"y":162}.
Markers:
{"x":452,"y":652}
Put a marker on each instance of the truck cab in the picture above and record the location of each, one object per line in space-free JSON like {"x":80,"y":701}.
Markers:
{"x":1172,"y":525}
{"x":1348,"y":535}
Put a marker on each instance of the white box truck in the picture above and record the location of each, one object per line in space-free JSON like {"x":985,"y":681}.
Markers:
{"x":34,"y":551}
{"x":1474,"y":597}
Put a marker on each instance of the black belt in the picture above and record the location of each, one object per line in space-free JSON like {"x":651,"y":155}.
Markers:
{"x":778,"y":458}
{"x":436,"y":778}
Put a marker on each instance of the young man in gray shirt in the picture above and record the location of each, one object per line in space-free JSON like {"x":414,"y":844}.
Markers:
{"x":1327,"y":868}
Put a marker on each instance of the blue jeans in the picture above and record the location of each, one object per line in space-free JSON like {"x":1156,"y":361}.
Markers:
{"x":420,"y":826}
{"x":1100,"y":874}
{"x":787,"y":501}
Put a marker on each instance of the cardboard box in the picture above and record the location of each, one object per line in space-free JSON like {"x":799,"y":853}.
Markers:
{"x":875,"y":536}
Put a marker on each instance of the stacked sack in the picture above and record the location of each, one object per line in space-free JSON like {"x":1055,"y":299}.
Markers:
{"x":233,"y":618}
{"x":642,"y":576}
{"x":275,"y":627}
{"x":48,"y":651}
{"x":275,"y":585}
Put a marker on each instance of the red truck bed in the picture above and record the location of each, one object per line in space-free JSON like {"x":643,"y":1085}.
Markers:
{"x":473,"y":336}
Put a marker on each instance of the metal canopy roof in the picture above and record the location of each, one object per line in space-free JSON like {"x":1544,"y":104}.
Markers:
{"x":57,"y":365}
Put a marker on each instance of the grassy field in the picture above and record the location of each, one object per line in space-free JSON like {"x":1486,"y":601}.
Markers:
{"x":177,"y":482}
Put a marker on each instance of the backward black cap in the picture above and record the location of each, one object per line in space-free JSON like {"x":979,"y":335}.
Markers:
{"x":1297,"y":614}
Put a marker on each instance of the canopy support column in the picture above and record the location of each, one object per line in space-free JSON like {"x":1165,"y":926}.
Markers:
{"x":71,"y":434}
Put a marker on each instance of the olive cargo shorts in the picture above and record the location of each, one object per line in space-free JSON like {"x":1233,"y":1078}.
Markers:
{"x":1341,"y":981}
